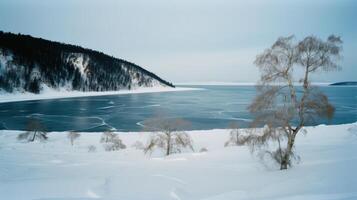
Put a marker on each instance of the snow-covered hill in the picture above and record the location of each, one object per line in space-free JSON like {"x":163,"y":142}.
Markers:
{"x":30,"y":64}
{"x":55,"y":170}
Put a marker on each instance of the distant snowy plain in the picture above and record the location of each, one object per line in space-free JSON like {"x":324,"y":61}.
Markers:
{"x":55,"y":170}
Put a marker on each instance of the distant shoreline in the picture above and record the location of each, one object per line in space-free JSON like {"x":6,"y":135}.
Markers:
{"x":345,"y":83}
{"x":54,"y":94}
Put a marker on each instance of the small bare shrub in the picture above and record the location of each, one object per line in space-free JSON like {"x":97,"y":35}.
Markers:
{"x":34,"y":130}
{"x":171,"y":143}
{"x":235,"y":137}
{"x":107,"y":136}
{"x":112,"y":141}
{"x":92,"y":148}
{"x":203,"y":149}
{"x":72,"y":136}
{"x":353,"y":130}
{"x":114,"y":145}
{"x":168,"y":135}
{"x":138,"y":145}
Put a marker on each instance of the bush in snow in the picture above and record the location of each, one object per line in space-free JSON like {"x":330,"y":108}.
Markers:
{"x":203,"y":149}
{"x":138,"y":145}
{"x":92,"y":148}
{"x":235,"y":137}
{"x":34,"y":130}
{"x":353,"y":130}
{"x":107,"y":137}
{"x":112,"y":141}
{"x":167,"y":135}
{"x":114,"y":145}
{"x":72,"y":136}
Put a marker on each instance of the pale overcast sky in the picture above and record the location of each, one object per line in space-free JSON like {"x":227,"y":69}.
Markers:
{"x":187,"y":40}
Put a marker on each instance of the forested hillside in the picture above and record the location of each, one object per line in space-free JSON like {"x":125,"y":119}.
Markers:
{"x":29,"y":64}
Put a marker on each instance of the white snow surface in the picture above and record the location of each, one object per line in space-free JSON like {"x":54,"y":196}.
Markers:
{"x":55,"y":170}
{"x":50,"y":93}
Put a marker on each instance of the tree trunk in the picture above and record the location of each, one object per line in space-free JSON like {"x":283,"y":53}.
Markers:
{"x":168,"y":145}
{"x":33,"y":137}
{"x":285,"y":161}
{"x":168,"y":149}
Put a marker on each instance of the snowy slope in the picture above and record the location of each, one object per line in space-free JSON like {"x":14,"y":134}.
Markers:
{"x":56,"y":170}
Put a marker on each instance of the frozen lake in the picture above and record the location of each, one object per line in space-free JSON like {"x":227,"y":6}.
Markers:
{"x":214,"y":107}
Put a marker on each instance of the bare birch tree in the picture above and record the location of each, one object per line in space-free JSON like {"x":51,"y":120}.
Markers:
{"x":281,"y":105}
{"x":168,"y":135}
{"x":72,"y":136}
{"x":34,"y":130}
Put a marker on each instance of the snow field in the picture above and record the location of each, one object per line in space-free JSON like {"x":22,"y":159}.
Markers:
{"x":56,"y":170}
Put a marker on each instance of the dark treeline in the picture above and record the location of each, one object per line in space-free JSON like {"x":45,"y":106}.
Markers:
{"x":27,"y":62}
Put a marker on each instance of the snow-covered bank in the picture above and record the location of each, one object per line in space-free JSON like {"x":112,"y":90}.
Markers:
{"x":56,"y":170}
{"x":58,"y":94}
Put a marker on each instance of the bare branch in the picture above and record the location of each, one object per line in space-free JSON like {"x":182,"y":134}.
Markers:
{"x":277,"y":104}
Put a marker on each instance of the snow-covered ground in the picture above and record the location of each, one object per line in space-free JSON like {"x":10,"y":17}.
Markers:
{"x":56,"y":170}
{"x":48,"y":93}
